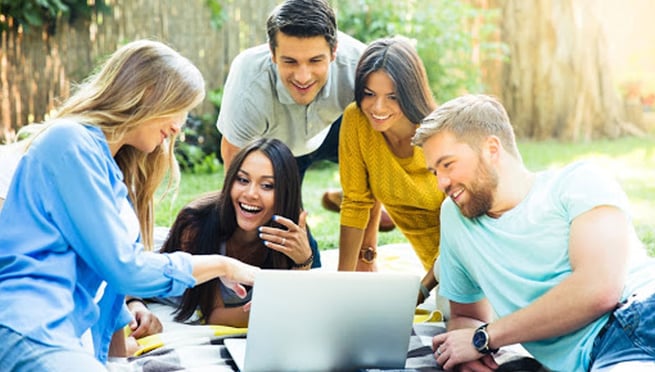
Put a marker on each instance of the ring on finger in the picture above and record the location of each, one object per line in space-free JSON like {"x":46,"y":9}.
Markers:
{"x":439,"y":352}
{"x":284,"y":240}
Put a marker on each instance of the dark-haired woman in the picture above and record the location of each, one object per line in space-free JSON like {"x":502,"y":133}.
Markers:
{"x":380,"y":166}
{"x":256,"y":218}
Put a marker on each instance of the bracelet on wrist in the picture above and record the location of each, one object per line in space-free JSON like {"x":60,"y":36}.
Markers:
{"x":307,"y":262}
{"x":130,"y":300}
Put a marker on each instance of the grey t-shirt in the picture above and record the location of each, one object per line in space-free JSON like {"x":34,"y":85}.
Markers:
{"x":257,"y":105}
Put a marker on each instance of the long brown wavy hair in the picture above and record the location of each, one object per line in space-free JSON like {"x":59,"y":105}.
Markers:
{"x":142,"y":80}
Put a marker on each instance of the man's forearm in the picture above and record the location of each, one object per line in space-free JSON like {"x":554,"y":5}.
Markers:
{"x":461,"y":322}
{"x":560,"y":311}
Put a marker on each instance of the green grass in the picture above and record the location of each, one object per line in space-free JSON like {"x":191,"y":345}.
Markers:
{"x":630,"y":160}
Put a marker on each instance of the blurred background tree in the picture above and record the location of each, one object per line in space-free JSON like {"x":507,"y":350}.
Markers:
{"x":552,"y":62}
{"x":448,"y":36}
{"x":558,"y":82}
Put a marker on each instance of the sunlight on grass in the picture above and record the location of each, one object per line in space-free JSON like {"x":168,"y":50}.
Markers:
{"x":191,"y":186}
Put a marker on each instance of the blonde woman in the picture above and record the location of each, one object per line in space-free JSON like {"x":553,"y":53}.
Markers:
{"x":79,"y":211}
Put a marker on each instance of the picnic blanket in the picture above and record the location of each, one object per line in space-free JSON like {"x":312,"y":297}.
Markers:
{"x":184,"y":347}
{"x":201,"y":347}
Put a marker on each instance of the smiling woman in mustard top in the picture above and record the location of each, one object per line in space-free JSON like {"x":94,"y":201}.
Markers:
{"x":379,"y":165}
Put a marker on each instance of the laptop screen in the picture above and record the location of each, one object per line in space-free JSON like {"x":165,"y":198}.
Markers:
{"x":326,"y":320}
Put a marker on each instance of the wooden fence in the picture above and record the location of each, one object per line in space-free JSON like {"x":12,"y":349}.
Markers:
{"x":37,"y":70}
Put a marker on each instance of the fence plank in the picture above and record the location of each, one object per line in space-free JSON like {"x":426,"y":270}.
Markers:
{"x":38,"y":70}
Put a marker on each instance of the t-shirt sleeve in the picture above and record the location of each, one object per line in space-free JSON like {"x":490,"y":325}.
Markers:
{"x":240,"y":120}
{"x":584,"y":186}
{"x":455,"y":283}
{"x":358,"y":198}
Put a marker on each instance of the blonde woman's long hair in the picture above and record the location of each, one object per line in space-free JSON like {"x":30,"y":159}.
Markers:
{"x":140,"y":81}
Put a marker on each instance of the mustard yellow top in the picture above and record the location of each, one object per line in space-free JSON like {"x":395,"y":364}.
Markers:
{"x":369,"y":170}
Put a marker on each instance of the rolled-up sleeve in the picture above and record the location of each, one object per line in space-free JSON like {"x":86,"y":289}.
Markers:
{"x":358,"y":198}
{"x":157,"y":271}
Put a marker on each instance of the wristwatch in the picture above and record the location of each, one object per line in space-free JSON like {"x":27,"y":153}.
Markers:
{"x":368,"y":254}
{"x":481,"y":340}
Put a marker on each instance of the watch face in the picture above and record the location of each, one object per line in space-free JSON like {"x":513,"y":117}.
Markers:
{"x":480,"y":339}
{"x":367,"y":255}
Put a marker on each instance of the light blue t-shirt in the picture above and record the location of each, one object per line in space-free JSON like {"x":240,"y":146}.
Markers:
{"x":64,"y":230}
{"x":515,"y":259}
{"x":257,"y":105}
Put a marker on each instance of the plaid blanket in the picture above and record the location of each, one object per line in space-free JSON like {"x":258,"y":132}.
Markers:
{"x":201,"y":348}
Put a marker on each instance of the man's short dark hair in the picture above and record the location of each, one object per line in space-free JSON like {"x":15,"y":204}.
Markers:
{"x":302,"y":18}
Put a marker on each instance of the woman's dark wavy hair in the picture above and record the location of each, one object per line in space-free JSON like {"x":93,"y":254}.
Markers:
{"x":398,"y":58}
{"x":209,"y":221}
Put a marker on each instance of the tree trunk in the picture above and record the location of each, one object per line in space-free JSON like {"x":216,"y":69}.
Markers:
{"x":557,"y":82}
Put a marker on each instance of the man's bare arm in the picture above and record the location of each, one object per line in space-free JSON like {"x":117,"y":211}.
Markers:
{"x":228,"y":151}
{"x":598,"y":250}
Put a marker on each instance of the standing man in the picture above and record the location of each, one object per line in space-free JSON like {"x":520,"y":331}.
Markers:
{"x":294,"y":89}
{"x":553,"y":253}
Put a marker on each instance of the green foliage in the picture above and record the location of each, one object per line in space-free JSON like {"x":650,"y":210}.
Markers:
{"x":199,"y":147}
{"x":45,"y":13}
{"x":217,"y":13}
{"x":439,"y":28}
{"x":216,"y":97}
{"x":192,"y":159}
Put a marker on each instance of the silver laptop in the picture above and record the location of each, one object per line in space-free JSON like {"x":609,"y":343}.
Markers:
{"x":326,"y":320}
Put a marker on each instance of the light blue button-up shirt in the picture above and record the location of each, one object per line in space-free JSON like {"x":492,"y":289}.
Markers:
{"x":66,"y":227}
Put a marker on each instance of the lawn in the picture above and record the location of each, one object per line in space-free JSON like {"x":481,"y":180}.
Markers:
{"x":630,"y":160}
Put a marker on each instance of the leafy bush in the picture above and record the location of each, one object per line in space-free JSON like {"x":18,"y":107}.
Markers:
{"x":199,"y":146}
{"x":440,"y":30}
{"x":217,"y":13}
{"x":44,"y":13}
